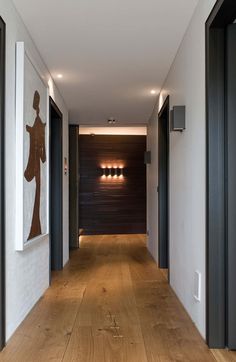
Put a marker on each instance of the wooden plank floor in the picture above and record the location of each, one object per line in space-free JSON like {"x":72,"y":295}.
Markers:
{"x":111,"y":304}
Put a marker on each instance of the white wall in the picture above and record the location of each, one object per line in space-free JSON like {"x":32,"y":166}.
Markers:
{"x":27,"y":273}
{"x":185,"y":84}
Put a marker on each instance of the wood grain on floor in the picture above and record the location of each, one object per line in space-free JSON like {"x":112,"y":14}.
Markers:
{"x":224,"y":355}
{"x":110,"y":303}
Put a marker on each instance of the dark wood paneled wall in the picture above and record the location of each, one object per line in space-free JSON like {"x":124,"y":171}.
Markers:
{"x":112,"y":206}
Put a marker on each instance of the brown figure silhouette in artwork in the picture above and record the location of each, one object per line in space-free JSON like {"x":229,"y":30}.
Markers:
{"x":37,"y":154}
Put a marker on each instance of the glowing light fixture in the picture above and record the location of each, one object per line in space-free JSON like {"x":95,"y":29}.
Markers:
{"x":112,"y":172}
{"x":59,"y":76}
{"x":153,"y":91}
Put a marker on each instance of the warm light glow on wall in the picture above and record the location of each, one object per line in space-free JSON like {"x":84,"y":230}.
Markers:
{"x":112,"y":172}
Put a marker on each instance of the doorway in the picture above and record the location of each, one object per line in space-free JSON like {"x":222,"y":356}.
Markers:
{"x":2,"y":203}
{"x":163,"y":185}
{"x":221,"y":175}
{"x":56,"y":188}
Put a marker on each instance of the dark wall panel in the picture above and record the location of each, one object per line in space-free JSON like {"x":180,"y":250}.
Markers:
{"x":74,"y":186}
{"x":2,"y":183}
{"x":112,"y":205}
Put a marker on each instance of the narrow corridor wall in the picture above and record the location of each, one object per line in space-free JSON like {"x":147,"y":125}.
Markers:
{"x":185,"y":84}
{"x":27,"y":273}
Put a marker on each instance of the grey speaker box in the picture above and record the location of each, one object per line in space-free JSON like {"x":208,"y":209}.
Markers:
{"x":147,"y":157}
{"x":177,"y":119}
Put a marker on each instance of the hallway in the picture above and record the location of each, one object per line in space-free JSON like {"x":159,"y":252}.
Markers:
{"x":112,"y":304}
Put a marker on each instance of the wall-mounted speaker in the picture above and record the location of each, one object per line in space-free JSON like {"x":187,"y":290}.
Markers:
{"x":147,"y":157}
{"x":177,"y":119}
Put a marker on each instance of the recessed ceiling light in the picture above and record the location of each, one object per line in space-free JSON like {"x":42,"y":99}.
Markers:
{"x":59,"y":76}
{"x":153,"y":91}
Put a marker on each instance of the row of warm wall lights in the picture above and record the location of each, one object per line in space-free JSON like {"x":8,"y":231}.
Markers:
{"x":113,"y":172}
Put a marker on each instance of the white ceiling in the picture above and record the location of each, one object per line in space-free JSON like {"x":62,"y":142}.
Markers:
{"x":111,"y":52}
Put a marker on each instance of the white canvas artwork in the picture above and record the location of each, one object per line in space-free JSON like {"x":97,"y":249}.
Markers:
{"x":31,"y":152}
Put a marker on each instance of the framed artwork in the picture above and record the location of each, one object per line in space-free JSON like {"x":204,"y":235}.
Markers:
{"x":32,"y":144}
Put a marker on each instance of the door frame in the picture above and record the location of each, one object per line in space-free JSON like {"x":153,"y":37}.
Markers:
{"x":52,"y":105}
{"x":74,"y":186}
{"x":163,"y":246}
{"x":2,"y":184}
{"x":223,"y":14}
